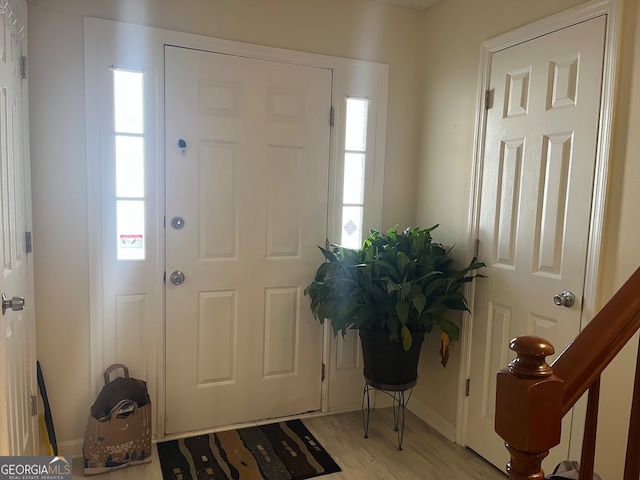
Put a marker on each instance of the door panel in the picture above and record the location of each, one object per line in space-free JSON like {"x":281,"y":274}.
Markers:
{"x":17,"y":341}
{"x":345,"y":377}
{"x":251,"y":186}
{"x":539,"y":159}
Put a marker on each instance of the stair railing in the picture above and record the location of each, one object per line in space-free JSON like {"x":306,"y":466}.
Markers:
{"x":532,"y":396}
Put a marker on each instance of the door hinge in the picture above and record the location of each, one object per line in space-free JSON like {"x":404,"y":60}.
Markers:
{"x":466,"y":387}
{"x":488,"y":99}
{"x":23,"y":67}
{"x":34,"y":405}
{"x":332,"y":116}
{"x":28,"y":245}
{"x":324,"y":367}
{"x":476,"y":248}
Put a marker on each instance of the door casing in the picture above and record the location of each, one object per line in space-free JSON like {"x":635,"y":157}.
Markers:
{"x":108,"y":43}
{"x":612,"y":9}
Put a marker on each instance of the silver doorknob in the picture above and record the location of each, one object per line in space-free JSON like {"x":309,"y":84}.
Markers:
{"x":16,"y":303}
{"x":564,"y":299}
{"x":177,"y":277}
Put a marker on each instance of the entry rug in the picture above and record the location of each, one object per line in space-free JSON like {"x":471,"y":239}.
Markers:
{"x":278,"y":451}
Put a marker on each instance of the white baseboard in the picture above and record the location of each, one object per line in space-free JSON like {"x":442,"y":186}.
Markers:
{"x":432,"y":419}
{"x":380,"y":400}
{"x":70,"y":448}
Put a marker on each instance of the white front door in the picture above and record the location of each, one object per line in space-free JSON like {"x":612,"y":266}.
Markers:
{"x":247,"y":175}
{"x":539,"y":158}
{"x":17,"y":343}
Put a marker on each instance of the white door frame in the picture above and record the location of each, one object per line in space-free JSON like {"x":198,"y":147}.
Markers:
{"x":596,"y":8}
{"x":109,"y":43}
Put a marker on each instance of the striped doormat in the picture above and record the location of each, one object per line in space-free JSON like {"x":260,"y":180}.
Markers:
{"x":278,"y":451}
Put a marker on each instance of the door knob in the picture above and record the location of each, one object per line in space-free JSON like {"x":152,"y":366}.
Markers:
{"x":16,"y":303}
{"x":564,"y":299}
{"x":177,"y":277}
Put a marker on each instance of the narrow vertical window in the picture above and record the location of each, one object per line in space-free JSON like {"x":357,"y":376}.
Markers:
{"x":355,"y":158}
{"x":129,"y":163}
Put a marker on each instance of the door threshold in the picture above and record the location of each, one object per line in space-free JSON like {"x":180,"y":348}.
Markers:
{"x":239,"y":425}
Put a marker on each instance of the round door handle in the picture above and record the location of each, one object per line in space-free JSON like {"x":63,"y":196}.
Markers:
{"x":16,"y":303}
{"x":177,"y":277}
{"x":564,"y":299}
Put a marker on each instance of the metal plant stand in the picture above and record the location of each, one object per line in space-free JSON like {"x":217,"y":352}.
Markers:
{"x":400,"y":401}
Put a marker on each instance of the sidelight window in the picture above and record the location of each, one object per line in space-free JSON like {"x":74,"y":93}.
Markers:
{"x":355,"y":162}
{"x":129,"y":156}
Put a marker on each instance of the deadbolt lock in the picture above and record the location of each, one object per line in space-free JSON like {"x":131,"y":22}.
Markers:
{"x":177,"y":223}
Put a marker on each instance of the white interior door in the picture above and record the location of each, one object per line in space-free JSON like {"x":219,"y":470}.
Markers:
{"x":539,"y":158}
{"x":17,"y":342}
{"x":247,"y":171}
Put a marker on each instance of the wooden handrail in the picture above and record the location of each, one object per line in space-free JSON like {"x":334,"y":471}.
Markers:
{"x":532,"y":397}
{"x":582,"y":362}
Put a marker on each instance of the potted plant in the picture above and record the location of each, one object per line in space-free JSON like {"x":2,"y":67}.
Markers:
{"x":394,"y":289}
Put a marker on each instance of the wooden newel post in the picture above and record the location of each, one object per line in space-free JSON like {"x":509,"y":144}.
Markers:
{"x":529,"y":401}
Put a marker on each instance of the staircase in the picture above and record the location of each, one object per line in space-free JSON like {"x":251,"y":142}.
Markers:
{"x":532,"y":396}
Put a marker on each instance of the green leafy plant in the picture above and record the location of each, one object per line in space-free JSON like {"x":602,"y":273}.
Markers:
{"x":398,"y":282}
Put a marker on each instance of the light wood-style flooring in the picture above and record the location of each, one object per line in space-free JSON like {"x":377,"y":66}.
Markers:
{"x":426,"y":454}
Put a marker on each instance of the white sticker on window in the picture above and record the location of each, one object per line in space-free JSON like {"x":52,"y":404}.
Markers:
{"x":131,"y":241}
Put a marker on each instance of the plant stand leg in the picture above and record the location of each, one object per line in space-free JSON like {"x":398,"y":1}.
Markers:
{"x":396,"y":409}
{"x":365,"y":416}
{"x":400,"y":401}
{"x":399,"y":405}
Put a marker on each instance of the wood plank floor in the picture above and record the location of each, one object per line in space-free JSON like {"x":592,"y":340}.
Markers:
{"x":426,"y":455}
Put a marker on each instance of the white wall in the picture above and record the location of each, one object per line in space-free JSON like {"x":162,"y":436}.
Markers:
{"x":358,"y":29}
{"x":56,"y":84}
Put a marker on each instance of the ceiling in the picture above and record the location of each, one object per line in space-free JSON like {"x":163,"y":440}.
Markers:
{"x":417,"y":4}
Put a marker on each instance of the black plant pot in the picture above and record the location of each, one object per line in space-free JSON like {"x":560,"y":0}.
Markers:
{"x":386,"y":364}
